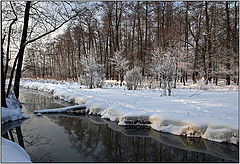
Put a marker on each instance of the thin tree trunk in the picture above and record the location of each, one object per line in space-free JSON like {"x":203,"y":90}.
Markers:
{"x":8,"y":47}
{"x":228,"y":45}
{"x":236,"y":41}
{"x":186,"y":38}
{"x":3,"y":93}
{"x":11,"y":75}
{"x":209,"y":44}
{"x":146,"y":39}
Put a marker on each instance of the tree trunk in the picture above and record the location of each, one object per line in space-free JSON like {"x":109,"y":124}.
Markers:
{"x":228,"y":45}
{"x":197,"y":55}
{"x":169,"y":89}
{"x":236,"y":43}
{"x":8,"y":47}
{"x":21,"y":50}
{"x":3,"y":93}
{"x":209,"y":44}
{"x":133,"y":41}
{"x":146,"y":39}
{"x":186,"y":38}
{"x":11,"y":76}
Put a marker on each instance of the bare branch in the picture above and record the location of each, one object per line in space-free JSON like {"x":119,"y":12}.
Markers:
{"x":34,"y":39}
{"x":8,"y":43}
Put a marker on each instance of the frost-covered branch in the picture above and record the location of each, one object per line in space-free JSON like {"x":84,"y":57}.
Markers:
{"x":165,"y":69}
{"x":133,"y":78}
{"x":93,"y":72}
{"x":121,"y":64}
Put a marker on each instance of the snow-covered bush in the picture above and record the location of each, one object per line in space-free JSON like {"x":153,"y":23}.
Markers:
{"x":120,"y":63}
{"x":202,"y":84}
{"x":165,"y":68}
{"x":149,"y":83}
{"x":93,"y":72}
{"x":133,"y":78}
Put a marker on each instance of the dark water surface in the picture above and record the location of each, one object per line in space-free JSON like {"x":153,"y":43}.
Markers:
{"x":84,"y":138}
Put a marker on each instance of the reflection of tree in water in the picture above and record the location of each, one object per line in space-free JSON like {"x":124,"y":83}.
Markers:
{"x":38,"y":101}
{"x":106,"y":145}
{"x":29,"y":141}
{"x":33,"y":140}
{"x":33,"y":101}
{"x":84,"y":136}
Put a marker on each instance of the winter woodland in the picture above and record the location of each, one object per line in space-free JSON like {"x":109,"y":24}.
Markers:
{"x":168,"y":42}
{"x":147,"y":54}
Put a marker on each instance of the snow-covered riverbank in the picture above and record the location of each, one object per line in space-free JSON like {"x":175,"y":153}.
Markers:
{"x":12,"y":152}
{"x":13,"y":111}
{"x":211,"y":114}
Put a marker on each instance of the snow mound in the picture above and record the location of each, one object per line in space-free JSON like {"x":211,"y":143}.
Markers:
{"x":13,"y":112}
{"x":114,"y":113}
{"x":221,"y":134}
{"x":95,"y":106}
{"x":12,"y":152}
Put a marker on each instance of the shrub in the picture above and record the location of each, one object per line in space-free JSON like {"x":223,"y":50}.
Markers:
{"x":93,"y":72}
{"x":133,"y":78}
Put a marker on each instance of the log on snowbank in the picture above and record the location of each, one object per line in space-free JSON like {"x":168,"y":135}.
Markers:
{"x":75,"y":108}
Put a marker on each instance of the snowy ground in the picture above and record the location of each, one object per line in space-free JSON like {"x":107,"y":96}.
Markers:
{"x":210,"y":112}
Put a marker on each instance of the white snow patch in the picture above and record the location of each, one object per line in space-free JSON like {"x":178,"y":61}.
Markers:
{"x":11,"y":114}
{"x":12,"y":152}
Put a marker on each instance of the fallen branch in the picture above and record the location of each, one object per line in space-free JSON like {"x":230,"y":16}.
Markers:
{"x":62,"y":110}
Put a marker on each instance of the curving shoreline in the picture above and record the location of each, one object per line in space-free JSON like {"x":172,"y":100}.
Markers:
{"x":123,"y":111}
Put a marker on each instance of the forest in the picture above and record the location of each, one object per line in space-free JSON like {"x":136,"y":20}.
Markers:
{"x":92,"y":41}
{"x":104,"y":80}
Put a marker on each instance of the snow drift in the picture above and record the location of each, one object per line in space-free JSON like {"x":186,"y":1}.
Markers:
{"x":14,"y":110}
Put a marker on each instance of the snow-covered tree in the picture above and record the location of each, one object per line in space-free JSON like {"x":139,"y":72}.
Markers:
{"x":183,"y":66}
{"x":93,"y":72}
{"x":165,"y":68}
{"x":120,"y":63}
{"x":133,"y":78}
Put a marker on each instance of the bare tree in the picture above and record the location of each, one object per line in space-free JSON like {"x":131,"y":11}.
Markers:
{"x":205,"y":44}
{"x":25,"y":32}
